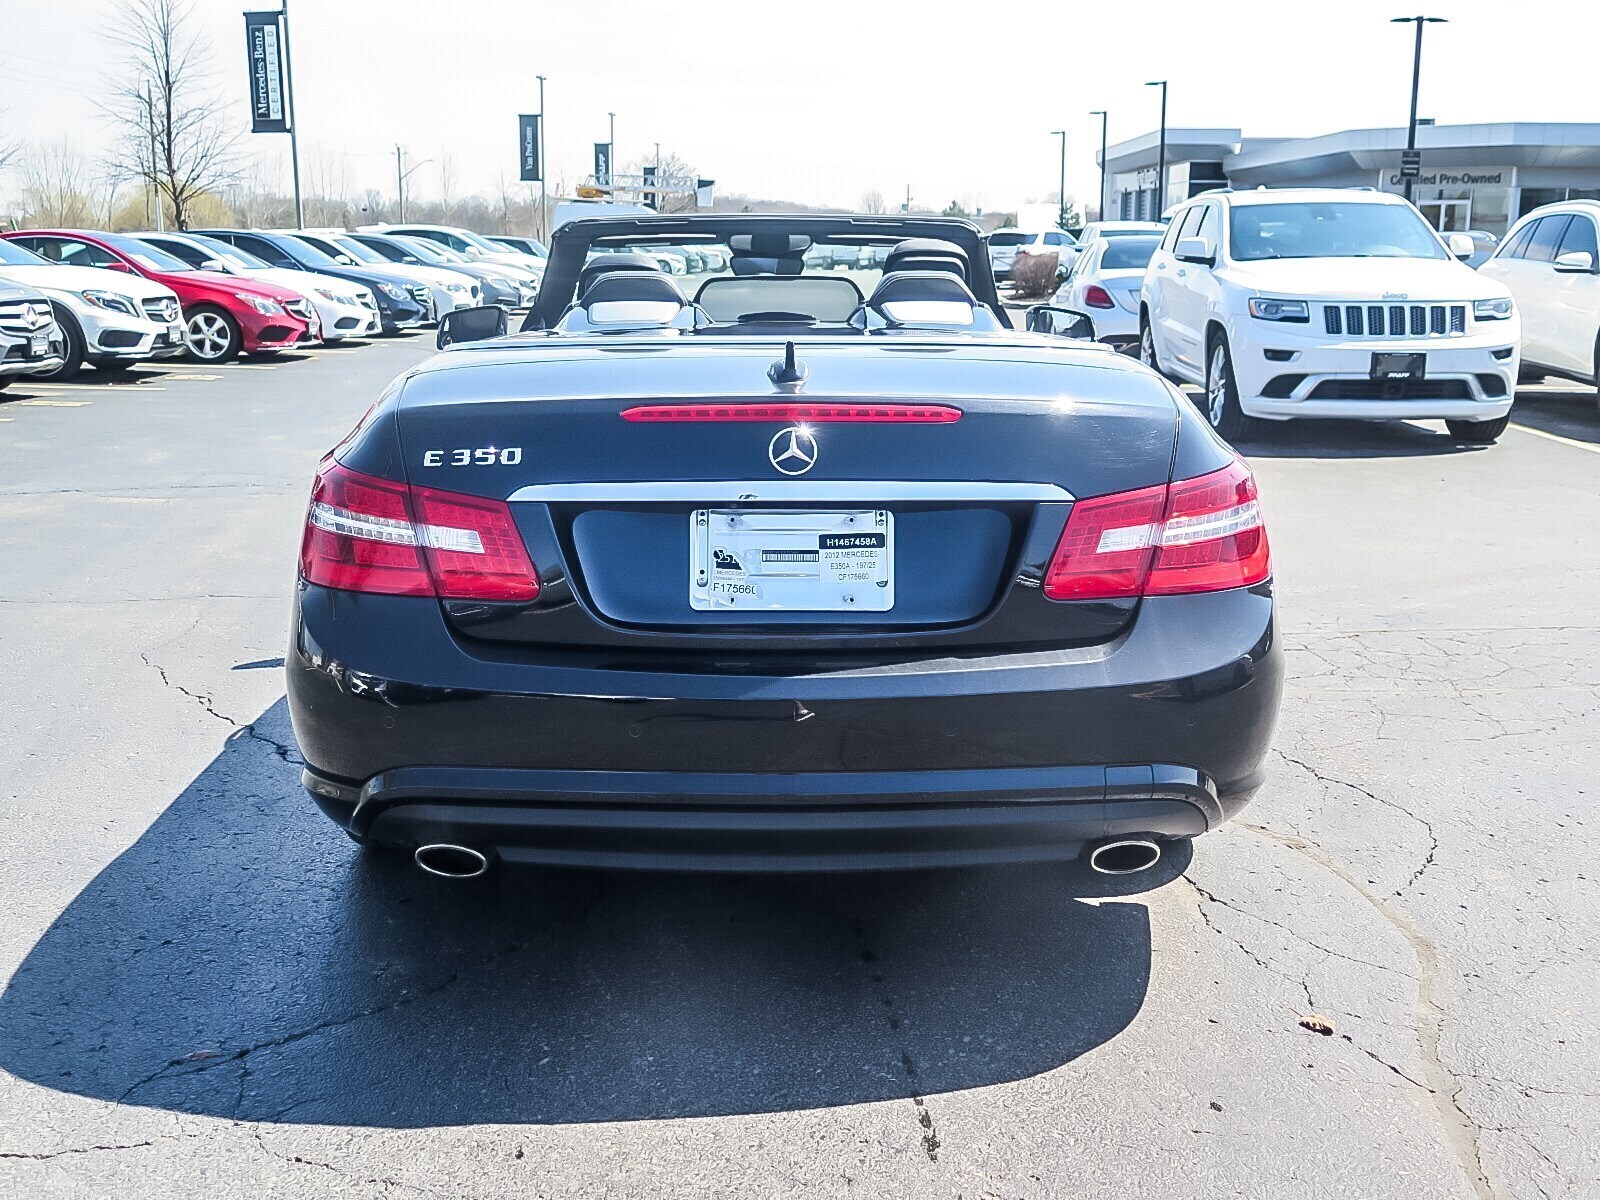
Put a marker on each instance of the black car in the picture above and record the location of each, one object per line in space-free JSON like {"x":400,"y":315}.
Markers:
{"x":399,"y":307}
{"x":497,"y":287}
{"x":783,"y":577}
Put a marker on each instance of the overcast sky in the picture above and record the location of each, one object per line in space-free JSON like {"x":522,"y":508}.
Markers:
{"x":822,"y":100}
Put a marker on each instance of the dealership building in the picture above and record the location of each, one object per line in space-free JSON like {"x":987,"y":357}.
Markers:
{"x":1472,"y":176}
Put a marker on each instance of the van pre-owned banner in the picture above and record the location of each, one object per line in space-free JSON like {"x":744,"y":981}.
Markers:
{"x":602,"y":162}
{"x":263,"y":33}
{"x":531,"y":170}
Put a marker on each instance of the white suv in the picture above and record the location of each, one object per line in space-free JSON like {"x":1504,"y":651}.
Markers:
{"x":1551,"y":262}
{"x":1326,"y":302}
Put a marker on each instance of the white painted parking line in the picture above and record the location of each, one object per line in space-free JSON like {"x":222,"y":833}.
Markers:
{"x":207,"y":378}
{"x":54,"y":403}
{"x":248,"y":367}
{"x":1556,"y":437}
{"x":103,"y":389}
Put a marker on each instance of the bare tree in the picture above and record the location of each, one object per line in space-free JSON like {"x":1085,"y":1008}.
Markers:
{"x":58,"y":188}
{"x":447,"y":184}
{"x":873,"y":202}
{"x":178,"y":136}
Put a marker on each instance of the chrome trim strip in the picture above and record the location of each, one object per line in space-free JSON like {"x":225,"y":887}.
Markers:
{"x":830,"y":491}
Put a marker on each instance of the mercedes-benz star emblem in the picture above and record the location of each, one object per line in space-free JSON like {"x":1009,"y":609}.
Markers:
{"x":793,"y":450}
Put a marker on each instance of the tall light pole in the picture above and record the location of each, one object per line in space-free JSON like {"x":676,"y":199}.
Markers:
{"x":1161,"y":162}
{"x":400,"y":177}
{"x":1100,"y":213}
{"x":544,"y":170}
{"x":1416,"y":79}
{"x":611,"y":149}
{"x":294,"y":121}
{"x":1061,"y":196}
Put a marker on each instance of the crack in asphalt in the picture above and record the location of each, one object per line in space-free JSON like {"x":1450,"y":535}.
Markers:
{"x":1332,"y":781}
{"x":929,"y":1134}
{"x":242,"y":1055}
{"x":97,"y":1149}
{"x":1461,"y":1130}
{"x":288,"y":754}
{"x":353,"y":1176}
{"x":1249,"y":953}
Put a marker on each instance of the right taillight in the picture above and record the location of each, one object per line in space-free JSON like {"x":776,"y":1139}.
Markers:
{"x":365,"y":534}
{"x":1096,"y":296}
{"x":1193,"y":535}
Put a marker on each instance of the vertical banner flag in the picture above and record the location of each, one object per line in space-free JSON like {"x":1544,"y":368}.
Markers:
{"x":702,"y":192}
{"x":263,"y":33}
{"x":602,"y":162}
{"x":532,"y":170}
{"x":650,"y":196}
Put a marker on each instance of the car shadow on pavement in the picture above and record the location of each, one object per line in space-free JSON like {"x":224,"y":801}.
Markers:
{"x":1569,"y":410}
{"x":1307,"y":438}
{"x":242,"y":959}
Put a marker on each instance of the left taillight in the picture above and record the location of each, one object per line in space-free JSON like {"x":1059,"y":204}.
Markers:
{"x":365,"y":534}
{"x":1193,"y":535}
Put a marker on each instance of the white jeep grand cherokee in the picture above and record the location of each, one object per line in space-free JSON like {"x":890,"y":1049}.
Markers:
{"x":1326,"y":302}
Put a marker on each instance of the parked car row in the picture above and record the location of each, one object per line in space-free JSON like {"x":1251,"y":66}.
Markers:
{"x":110,"y":300}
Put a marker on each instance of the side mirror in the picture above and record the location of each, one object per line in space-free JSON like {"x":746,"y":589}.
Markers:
{"x":471,"y":325}
{"x":119,"y":265}
{"x":344,"y":260}
{"x":215,"y":264}
{"x":1462,"y":246}
{"x":1195,"y":250}
{"x":1060,"y":322}
{"x":1578,"y":262}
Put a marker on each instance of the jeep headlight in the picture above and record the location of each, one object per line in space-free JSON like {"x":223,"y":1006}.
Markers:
{"x":111,"y":301}
{"x":1492,"y":310}
{"x":1279,"y":310}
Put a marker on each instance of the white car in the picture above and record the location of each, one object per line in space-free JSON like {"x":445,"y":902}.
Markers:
{"x":448,"y":290}
{"x":1111,"y":229}
{"x":344,"y":309}
{"x":464,"y":241}
{"x":507,"y":276}
{"x":1328,"y":302}
{"x":30,"y":339}
{"x":1551,"y":263}
{"x":1052,"y":241}
{"x":108,"y":319}
{"x":1106,"y":282}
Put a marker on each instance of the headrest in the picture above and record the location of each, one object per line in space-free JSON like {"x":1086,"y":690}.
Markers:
{"x":608,"y":264}
{"x":928,"y":298}
{"x":633,"y":286}
{"x":926,"y":254}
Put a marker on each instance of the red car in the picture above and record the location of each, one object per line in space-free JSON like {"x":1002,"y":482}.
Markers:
{"x":225,"y":314}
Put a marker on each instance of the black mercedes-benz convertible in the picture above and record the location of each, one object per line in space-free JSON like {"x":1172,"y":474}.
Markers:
{"x":805,"y":570}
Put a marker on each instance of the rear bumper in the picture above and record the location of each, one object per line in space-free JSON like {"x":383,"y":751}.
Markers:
{"x":820,"y":821}
{"x":413,"y":734}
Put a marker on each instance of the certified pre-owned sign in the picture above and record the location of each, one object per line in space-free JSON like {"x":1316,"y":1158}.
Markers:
{"x":263,"y":33}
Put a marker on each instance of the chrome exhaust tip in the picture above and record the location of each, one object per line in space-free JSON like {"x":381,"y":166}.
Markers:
{"x":451,"y":862}
{"x":1126,"y":856}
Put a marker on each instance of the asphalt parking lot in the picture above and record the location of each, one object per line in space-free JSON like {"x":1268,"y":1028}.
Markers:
{"x":205,"y":990}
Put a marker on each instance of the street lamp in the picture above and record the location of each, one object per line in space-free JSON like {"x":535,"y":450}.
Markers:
{"x":1161,"y":162}
{"x":544,"y":169}
{"x":1061,"y":196}
{"x":1100,"y":209}
{"x":611,"y":150}
{"x":1416,"y":78}
{"x":400,"y":177}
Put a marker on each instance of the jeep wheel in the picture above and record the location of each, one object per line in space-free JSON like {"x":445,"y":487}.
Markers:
{"x":1478,"y":433}
{"x":1222,"y":394}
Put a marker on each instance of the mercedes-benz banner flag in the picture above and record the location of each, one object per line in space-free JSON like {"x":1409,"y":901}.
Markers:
{"x":263,"y":32}
{"x":602,"y":162}
{"x":528,"y":148}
